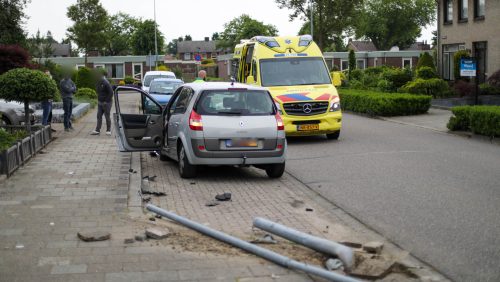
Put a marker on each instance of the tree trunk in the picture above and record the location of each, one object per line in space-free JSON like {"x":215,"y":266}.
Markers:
{"x":27,"y":122}
{"x":85,"y":57}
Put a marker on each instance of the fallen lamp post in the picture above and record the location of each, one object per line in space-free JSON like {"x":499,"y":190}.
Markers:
{"x":344,"y":253}
{"x":251,"y":248}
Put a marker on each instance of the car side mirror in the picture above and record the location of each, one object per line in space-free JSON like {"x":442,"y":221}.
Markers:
{"x":139,"y":84}
{"x":250,"y":79}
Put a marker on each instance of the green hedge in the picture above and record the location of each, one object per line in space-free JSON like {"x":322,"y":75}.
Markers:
{"x":484,"y":120}
{"x":435,"y":86}
{"x":383,"y":104}
{"x":86,"y":93}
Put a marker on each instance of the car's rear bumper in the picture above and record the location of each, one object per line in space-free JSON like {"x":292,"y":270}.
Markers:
{"x":202,"y":156}
{"x":328,"y":123}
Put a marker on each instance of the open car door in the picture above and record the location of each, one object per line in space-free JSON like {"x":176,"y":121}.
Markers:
{"x":138,"y":120}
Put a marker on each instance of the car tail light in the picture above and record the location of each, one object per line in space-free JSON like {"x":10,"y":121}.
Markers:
{"x":279,"y":147}
{"x":279,"y":122}
{"x":195,"y":122}
{"x":201,"y":148}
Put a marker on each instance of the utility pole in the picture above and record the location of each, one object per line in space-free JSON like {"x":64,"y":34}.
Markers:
{"x":156,"y":43}
{"x":311,"y":20}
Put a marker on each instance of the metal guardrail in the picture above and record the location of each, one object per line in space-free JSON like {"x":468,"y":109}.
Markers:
{"x":25,"y":149}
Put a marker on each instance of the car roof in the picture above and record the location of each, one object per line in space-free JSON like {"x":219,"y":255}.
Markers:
{"x":167,"y":79}
{"x":199,"y":86}
{"x":158,"y":72}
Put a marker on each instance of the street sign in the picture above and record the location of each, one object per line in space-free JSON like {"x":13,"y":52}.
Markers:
{"x":468,"y":67}
{"x":197,"y":57}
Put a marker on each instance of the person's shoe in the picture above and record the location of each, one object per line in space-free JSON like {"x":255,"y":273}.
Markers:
{"x":95,"y":132}
{"x":71,"y":129}
{"x":108,"y":133}
{"x":66,"y":129}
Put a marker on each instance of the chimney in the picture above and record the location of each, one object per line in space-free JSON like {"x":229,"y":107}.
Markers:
{"x":207,"y":38}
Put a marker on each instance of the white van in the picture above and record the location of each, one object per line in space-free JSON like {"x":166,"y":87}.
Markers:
{"x":150,"y":75}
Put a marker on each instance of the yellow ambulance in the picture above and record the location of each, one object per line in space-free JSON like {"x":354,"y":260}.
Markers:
{"x":295,"y":72}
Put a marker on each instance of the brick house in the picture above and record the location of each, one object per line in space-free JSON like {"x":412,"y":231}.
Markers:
{"x":472,"y":25}
{"x":187,"y":50}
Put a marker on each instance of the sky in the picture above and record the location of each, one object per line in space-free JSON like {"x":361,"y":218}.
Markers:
{"x":175,"y":18}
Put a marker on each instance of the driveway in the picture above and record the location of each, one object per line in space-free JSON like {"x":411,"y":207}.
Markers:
{"x":435,"y":194}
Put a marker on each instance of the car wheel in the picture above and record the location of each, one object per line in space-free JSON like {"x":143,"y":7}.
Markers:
{"x":333,"y":136}
{"x":275,"y":170}
{"x":4,"y":120}
{"x":186,"y":169}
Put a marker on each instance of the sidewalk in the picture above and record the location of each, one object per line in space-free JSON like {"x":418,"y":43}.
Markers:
{"x":434,"y":119}
{"x":82,"y":183}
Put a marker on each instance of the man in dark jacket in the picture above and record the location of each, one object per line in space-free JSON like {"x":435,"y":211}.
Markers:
{"x":68,"y":88}
{"x":104,"y":102}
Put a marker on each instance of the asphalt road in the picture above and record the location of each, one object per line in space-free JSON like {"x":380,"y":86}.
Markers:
{"x":435,"y":194}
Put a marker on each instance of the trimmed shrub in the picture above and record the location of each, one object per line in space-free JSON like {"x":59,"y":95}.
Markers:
{"x":6,"y":139}
{"x":356,"y":84}
{"x":484,"y":120}
{"x":385,"y":85}
{"x":162,"y":68}
{"x":383,"y":104}
{"x":121,"y":82}
{"x":426,"y":73}
{"x":486,"y":89}
{"x":178,"y":72}
{"x":398,"y":77}
{"x":463,"y":88}
{"x":85,"y":78}
{"x":434,"y":86}
{"x":375,"y":70}
{"x":207,"y":62}
{"x":425,"y":60}
{"x":352,"y":62}
{"x":462,"y":54}
{"x":128,"y":80}
{"x":13,"y":56}
{"x":86,"y":93}
{"x":356,"y":74}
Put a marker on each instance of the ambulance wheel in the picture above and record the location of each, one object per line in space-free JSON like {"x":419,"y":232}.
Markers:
{"x":333,"y":136}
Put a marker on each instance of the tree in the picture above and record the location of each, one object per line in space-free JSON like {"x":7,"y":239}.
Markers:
{"x":25,"y":85}
{"x":188,"y":38}
{"x":244,"y":27}
{"x":352,"y":62}
{"x":41,"y":47}
{"x":390,"y":23}
{"x":11,"y":17}
{"x":13,"y":56}
{"x":121,"y":28}
{"x":425,"y":60}
{"x":215,"y":36}
{"x":90,"y":23}
{"x":49,"y":37}
{"x":172,"y":46}
{"x":331,"y":18}
{"x":143,"y":39}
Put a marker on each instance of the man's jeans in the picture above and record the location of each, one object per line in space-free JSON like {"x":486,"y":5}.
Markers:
{"x":47,"y":108}
{"x":103,"y":108}
{"x":68,"y":108}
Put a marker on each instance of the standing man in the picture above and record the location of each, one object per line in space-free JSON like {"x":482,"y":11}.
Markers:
{"x":47,"y":107}
{"x":202,"y":76}
{"x":104,"y":101}
{"x":68,"y":88}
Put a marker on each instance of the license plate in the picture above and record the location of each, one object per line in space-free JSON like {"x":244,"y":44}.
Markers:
{"x":241,"y":143}
{"x":307,"y":127}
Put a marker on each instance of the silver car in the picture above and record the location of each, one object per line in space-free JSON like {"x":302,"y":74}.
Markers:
{"x":213,"y":123}
{"x":12,"y":113}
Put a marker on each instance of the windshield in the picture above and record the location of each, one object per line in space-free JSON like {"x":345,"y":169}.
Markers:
{"x":225,"y":102}
{"x":149,"y":78}
{"x":293,"y":71}
{"x":164,"y":87}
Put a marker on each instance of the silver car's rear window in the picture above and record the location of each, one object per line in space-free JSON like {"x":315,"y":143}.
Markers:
{"x":235,"y":102}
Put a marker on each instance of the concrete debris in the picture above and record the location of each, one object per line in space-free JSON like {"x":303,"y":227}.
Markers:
{"x":275,"y":276}
{"x":223,"y":197}
{"x":333,"y":264}
{"x":157,"y":233}
{"x":374,"y":247}
{"x":309,"y":210}
{"x":212,"y":203}
{"x":19,"y":246}
{"x":266,"y":239}
{"x":51,"y":224}
{"x":354,"y":245}
{"x":140,"y":238}
{"x":150,"y":178}
{"x":373,"y":268}
{"x":93,"y":236}
{"x":128,"y":241}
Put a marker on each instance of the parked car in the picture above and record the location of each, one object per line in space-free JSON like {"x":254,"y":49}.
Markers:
{"x":214,"y":123}
{"x":162,"y":89}
{"x":150,"y":75}
{"x":12,"y":113}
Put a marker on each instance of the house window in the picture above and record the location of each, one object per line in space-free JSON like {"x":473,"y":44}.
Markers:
{"x":375,"y":61}
{"x":213,"y":55}
{"x":344,"y":65}
{"x":79,"y":66}
{"x":187,"y":56}
{"x":448,"y":11}
{"x":98,"y":66}
{"x":479,"y":8}
{"x":463,"y":10}
{"x":407,"y":63}
{"x":360,"y":64}
{"x":114,"y":70}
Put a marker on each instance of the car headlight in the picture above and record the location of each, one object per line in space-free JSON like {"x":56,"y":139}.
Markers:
{"x":19,"y":111}
{"x":335,"y":104}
